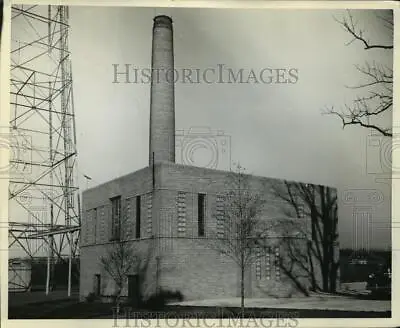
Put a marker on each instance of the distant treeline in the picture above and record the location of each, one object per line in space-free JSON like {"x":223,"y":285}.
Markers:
{"x":367,"y":253}
{"x":59,"y":274}
{"x":353,"y":271}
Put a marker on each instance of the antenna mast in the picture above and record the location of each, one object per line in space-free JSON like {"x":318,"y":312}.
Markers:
{"x":44,"y":204}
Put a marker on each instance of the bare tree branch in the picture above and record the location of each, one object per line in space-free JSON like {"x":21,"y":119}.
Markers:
{"x":321,"y":204}
{"x":377,"y":84}
{"x":350,"y":26}
{"x":352,"y":119}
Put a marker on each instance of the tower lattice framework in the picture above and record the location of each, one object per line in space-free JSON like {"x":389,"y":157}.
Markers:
{"x":44,"y":205}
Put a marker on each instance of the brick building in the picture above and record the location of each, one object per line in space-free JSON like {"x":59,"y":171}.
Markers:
{"x":172,"y":211}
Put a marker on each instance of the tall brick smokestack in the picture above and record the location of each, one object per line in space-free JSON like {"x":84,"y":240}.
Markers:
{"x":162,"y":98}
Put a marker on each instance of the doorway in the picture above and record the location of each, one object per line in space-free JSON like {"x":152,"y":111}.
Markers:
{"x":133,"y":288}
{"x":97,"y":284}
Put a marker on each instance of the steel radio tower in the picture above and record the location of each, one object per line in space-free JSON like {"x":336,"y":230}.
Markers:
{"x":44,"y":205}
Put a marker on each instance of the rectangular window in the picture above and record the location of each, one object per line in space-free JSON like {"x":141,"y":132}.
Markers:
{"x":258,"y":263}
{"x":87,"y":229}
{"x":268,"y":263}
{"x":220,"y":215}
{"x":102,"y":225}
{"x":149,"y":214}
{"x":116,"y":218}
{"x":301,"y":210}
{"x":181,"y":211}
{"x":201,"y":208}
{"x":128,"y":232}
{"x":138,"y":205}
{"x":95,"y":224}
{"x":277,"y":264}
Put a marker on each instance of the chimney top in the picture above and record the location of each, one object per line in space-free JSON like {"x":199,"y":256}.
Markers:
{"x":163,"y":21}
{"x":162,"y":94}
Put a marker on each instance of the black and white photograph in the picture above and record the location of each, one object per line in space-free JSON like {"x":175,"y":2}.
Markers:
{"x":176,"y":164}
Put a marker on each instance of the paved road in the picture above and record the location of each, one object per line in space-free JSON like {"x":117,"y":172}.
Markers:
{"x":328,"y":302}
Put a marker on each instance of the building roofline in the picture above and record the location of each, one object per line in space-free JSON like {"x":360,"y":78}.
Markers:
{"x":246,"y":174}
{"x":207,"y":170}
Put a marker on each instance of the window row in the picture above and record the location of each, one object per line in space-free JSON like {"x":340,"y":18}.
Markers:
{"x":121,"y":211}
{"x":117,"y":217}
{"x":108,"y":222}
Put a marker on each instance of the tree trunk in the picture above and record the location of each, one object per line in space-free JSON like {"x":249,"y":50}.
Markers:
{"x":312,"y":273}
{"x":242,"y":287}
{"x":333,"y":268}
{"x":118,"y":295}
{"x":325,"y":277}
{"x":333,"y":277}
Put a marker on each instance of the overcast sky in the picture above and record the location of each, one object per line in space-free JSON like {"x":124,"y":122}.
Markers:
{"x":276,"y":130}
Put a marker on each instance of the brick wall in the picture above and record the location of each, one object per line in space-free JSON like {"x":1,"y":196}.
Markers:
{"x":187,"y":262}
{"x":128,"y":187}
{"x":91,"y":265}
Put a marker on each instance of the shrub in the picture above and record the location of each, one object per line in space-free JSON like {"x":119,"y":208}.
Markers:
{"x":161,"y":298}
{"x":91,"y":297}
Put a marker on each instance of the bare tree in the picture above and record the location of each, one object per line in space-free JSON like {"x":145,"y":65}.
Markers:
{"x":123,"y":257}
{"x":119,"y":261}
{"x":376,"y":88}
{"x":318,"y":258}
{"x":239,"y":225}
